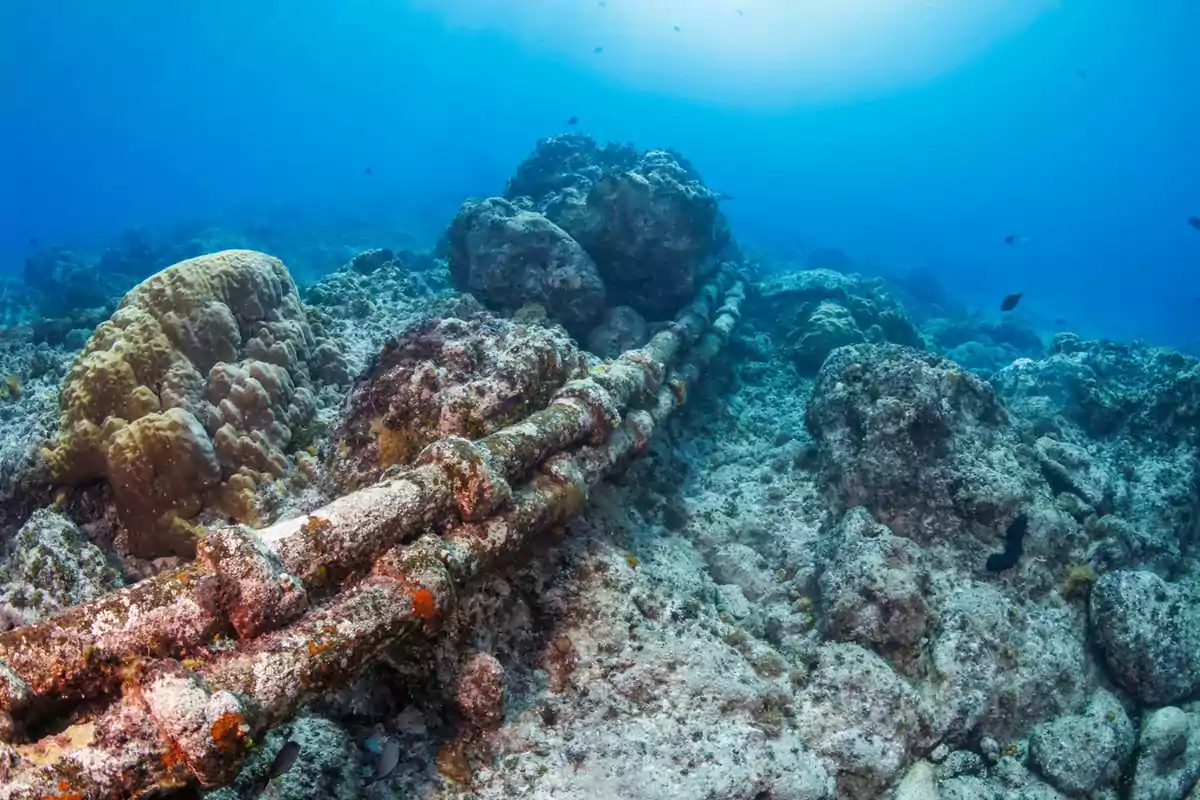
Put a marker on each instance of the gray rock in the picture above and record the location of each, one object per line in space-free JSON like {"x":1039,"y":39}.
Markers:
{"x":1081,"y":753}
{"x":872,"y":585}
{"x":1168,"y":760}
{"x":927,"y":447}
{"x":48,"y":566}
{"x":1149,"y":633}
{"x":509,"y":258}
{"x":620,"y":329}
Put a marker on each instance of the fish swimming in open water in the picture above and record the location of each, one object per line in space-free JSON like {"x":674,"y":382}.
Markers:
{"x":1010,"y":302}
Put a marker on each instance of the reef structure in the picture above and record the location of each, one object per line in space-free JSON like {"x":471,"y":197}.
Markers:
{"x":169,"y":682}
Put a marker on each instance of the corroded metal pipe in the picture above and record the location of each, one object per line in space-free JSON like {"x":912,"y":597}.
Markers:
{"x":194,"y":721}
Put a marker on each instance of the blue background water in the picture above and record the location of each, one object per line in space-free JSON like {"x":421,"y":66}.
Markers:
{"x":143,"y":113}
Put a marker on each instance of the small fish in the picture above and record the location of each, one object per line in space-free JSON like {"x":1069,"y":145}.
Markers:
{"x":724,"y":196}
{"x":1194,"y":222}
{"x":1060,"y":321}
{"x":1010,"y":239}
{"x":1082,"y":75}
{"x":33,"y":240}
{"x":1010,"y":302}
{"x":573,"y":120}
{"x":284,"y":759}
{"x":598,"y":49}
{"x":739,"y":12}
{"x":385,"y":765}
{"x":677,"y":28}
{"x":602,"y":4}
{"x":368,"y":171}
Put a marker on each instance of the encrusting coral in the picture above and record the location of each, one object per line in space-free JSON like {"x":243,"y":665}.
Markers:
{"x":189,"y":396}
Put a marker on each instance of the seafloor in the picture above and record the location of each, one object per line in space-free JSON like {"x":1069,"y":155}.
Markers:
{"x":888,"y":548}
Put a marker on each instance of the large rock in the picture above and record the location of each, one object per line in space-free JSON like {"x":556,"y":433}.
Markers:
{"x":927,"y":447}
{"x":1168,"y":760}
{"x":1081,"y":753}
{"x":647,"y":219}
{"x":509,"y":257}
{"x":1149,"y":633}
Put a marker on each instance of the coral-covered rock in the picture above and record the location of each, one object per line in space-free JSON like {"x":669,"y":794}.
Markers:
{"x":1111,"y":389}
{"x":464,"y":377}
{"x":647,"y":219}
{"x":192,"y":393}
{"x":620,"y":329}
{"x":1149,"y":633}
{"x":562,"y":169}
{"x":856,"y":712}
{"x":48,"y":566}
{"x":927,"y":447}
{"x":827,"y":328}
{"x":872,"y":585}
{"x":479,"y":694}
{"x":1081,"y":753}
{"x":1119,"y":431}
{"x":508,"y":257}
{"x":1168,"y":755}
{"x":811,"y":312}
{"x":652,"y":231}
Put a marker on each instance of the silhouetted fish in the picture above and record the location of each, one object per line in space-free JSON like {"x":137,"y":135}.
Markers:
{"x":739,"y":12}
{"x":368,"y":171}
{"x":284,"y":759}
{"x":33,"y":240}
{"x":724,"y":196}
{"x":1060,"y":321}
{"x":677,"y":28}
{"x":1010,"y":239}
{"x":597,"y":49}
{"x":573,"y":120}
{"x":1010,"y":302}
{"x":1194,"y":222}
{"x":385,"y":764}
{"x":1081,"y":74}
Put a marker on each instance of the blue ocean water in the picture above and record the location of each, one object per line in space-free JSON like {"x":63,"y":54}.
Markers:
{"x":905,"y":134}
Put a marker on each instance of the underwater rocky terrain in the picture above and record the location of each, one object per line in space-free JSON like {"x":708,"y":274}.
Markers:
{"x":887,"y":549}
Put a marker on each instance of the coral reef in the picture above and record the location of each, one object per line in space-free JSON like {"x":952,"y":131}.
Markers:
{"x":190,"y":396}
{"x":853,"y":569}
{"x":808,"y":314}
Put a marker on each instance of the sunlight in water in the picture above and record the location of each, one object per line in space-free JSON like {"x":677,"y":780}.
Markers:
{"x":760,"y":52}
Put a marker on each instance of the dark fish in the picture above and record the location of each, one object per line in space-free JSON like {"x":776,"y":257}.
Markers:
{"x":1010,"y":302}
{"x":1060,"y":321}
{"x":677,"y":28}
{"x":385,"y":765}
{"x":573,"y":120}
{"x":1013,"y":538}
{"x":597,"y":49}
{"x":1081,"y":74}
{"x":1194,"y":222}
{"x":284,"y":759}
{"x":1010,"y":239}
{"x":724,"y":196}
{"x":739,"y":12}
{"x":33,"y":240}
{"x":602,"y":4}
{"x":368,"y":171}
